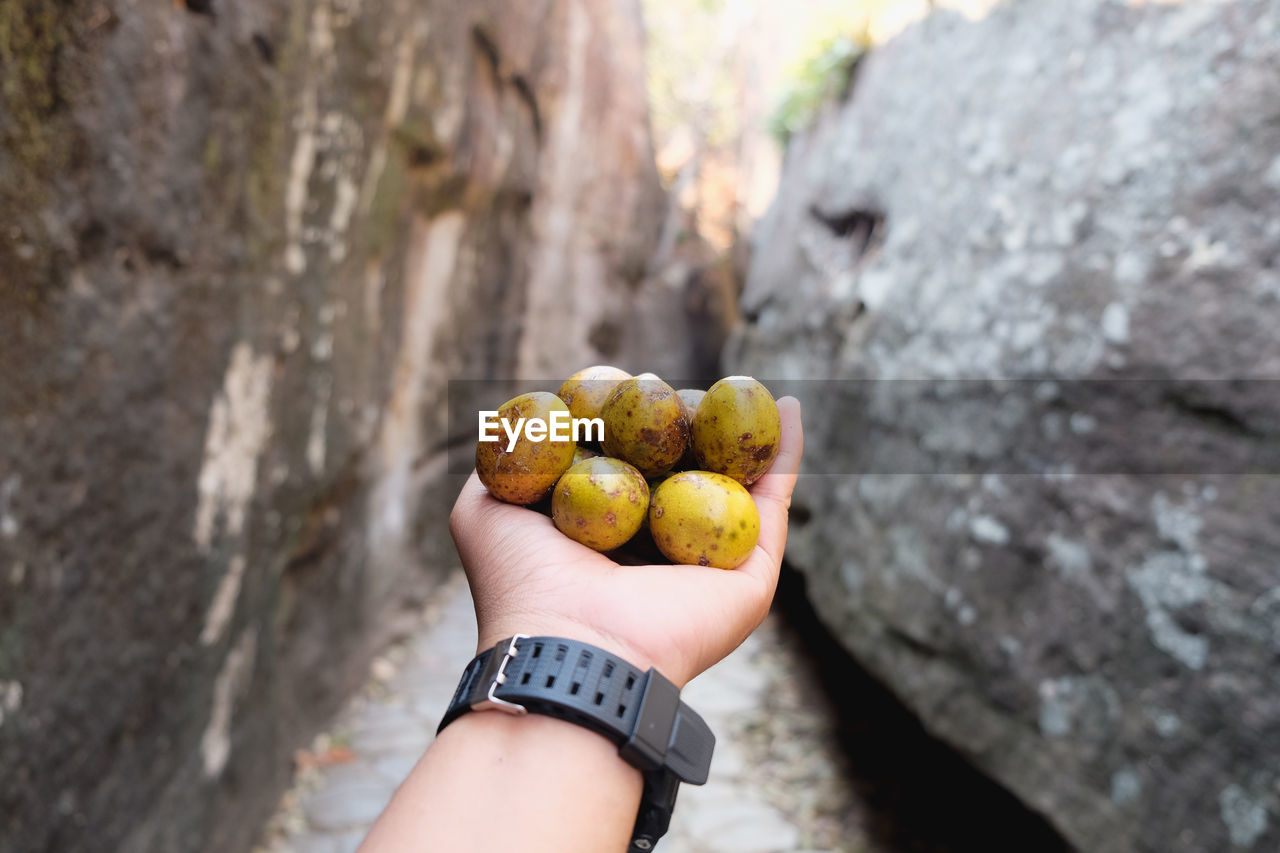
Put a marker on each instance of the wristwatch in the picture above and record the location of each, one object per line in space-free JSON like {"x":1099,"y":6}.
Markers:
{"x":641,"y":712}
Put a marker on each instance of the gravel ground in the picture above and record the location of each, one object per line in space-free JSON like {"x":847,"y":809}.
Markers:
{"x":777,"y":779}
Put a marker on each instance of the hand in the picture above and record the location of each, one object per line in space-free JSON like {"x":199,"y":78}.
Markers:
{"x":527,"y":577}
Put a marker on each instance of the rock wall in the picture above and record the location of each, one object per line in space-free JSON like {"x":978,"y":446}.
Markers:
{"x":245,"y":245}
{"x":1080,"y":193}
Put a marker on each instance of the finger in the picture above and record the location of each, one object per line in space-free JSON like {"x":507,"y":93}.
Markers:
{"x":472,"y":495}
{"x":477,"y":515}
{"x":464,"y":520}
{"x":772,"y":492}
{"x":475,"y":502}
{"x":777,"y":484}
{"x":734,"y":601}
{"x":765,"y":562}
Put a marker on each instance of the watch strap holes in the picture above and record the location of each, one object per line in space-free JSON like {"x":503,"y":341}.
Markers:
{"x":622,"y":709}
{"x":524,"y":679}
{"x":631,"y":680}
{"x":608,"y":669}
{"x":599,"y":698}
{"x":579,"y":674}
{"x":551,"y":680}
{"x":537,"y":650}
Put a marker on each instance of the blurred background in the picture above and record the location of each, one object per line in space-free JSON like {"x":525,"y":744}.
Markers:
{"x":247,"y":244}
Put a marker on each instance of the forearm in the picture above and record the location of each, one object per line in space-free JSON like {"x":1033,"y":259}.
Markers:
{"x":496,"y":782}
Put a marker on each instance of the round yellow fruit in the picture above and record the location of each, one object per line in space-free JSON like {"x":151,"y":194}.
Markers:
{"x":526,"y":473}
{"x":704,"y":519}
{"x":585,"y":391}
{"x":645,"y":425}
{"x":600,"y":502}
{"x":737,"y":430}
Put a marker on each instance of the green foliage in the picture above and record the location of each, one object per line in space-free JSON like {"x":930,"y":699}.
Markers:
{"x":820,"y":78}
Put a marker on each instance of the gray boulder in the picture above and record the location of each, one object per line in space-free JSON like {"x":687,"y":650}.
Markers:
{"x":1073,"y":579}
{"x":245,"y":245}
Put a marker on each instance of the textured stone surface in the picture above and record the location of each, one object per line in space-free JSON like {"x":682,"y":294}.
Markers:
{"x":1075,"y":191}
{"x":243,"y":252}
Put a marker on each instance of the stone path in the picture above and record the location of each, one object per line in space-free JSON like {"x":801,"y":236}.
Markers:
{"x":776,"y":783}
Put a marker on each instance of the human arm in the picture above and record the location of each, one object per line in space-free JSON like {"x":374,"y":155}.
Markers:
{"x":496,"y":782}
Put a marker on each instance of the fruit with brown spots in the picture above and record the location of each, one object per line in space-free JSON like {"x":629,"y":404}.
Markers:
{"x":704,"y":519}
{"x":653,"y":483}
{"x":644,"y":425}
{"x":585,"y":391}
{"x":600,"y":502}
{"x":580,"y":453}
{"x":689,"y":400}
{"x":529,"y":471}
{"x":736,"y":430}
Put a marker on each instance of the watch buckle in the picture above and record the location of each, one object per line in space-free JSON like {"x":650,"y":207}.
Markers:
{"x":495,"y":672}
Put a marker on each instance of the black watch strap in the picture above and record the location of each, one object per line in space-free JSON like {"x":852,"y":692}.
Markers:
{"x":641,"y":712}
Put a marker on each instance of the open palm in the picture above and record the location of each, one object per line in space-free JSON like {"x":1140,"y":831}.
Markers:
{"x":526,"y":577}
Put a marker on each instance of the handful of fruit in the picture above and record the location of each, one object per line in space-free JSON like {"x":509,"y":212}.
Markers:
{"x":676,"y":463}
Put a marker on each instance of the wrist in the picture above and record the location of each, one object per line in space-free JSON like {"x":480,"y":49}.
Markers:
{"x":493,"y":633}
{"x":531,"y":766}
{"x":540,"y":740}
{"x":637,"y":712}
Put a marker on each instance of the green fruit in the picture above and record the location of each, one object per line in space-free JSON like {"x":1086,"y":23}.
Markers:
{"x":600,"y":502}
{"x":704,"y":519}
{"x":585,"y":391}
{"x":736,"y":429}
{"x":527,"y":472}
{"x":643,"y":425}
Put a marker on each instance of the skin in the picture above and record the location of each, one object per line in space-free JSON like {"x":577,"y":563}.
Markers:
{"x":736,"y":429}
{"x":530,"y":470}
{"x":563,"y":788}
{"x":600,"y":503}
{"x":705,"y":519}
